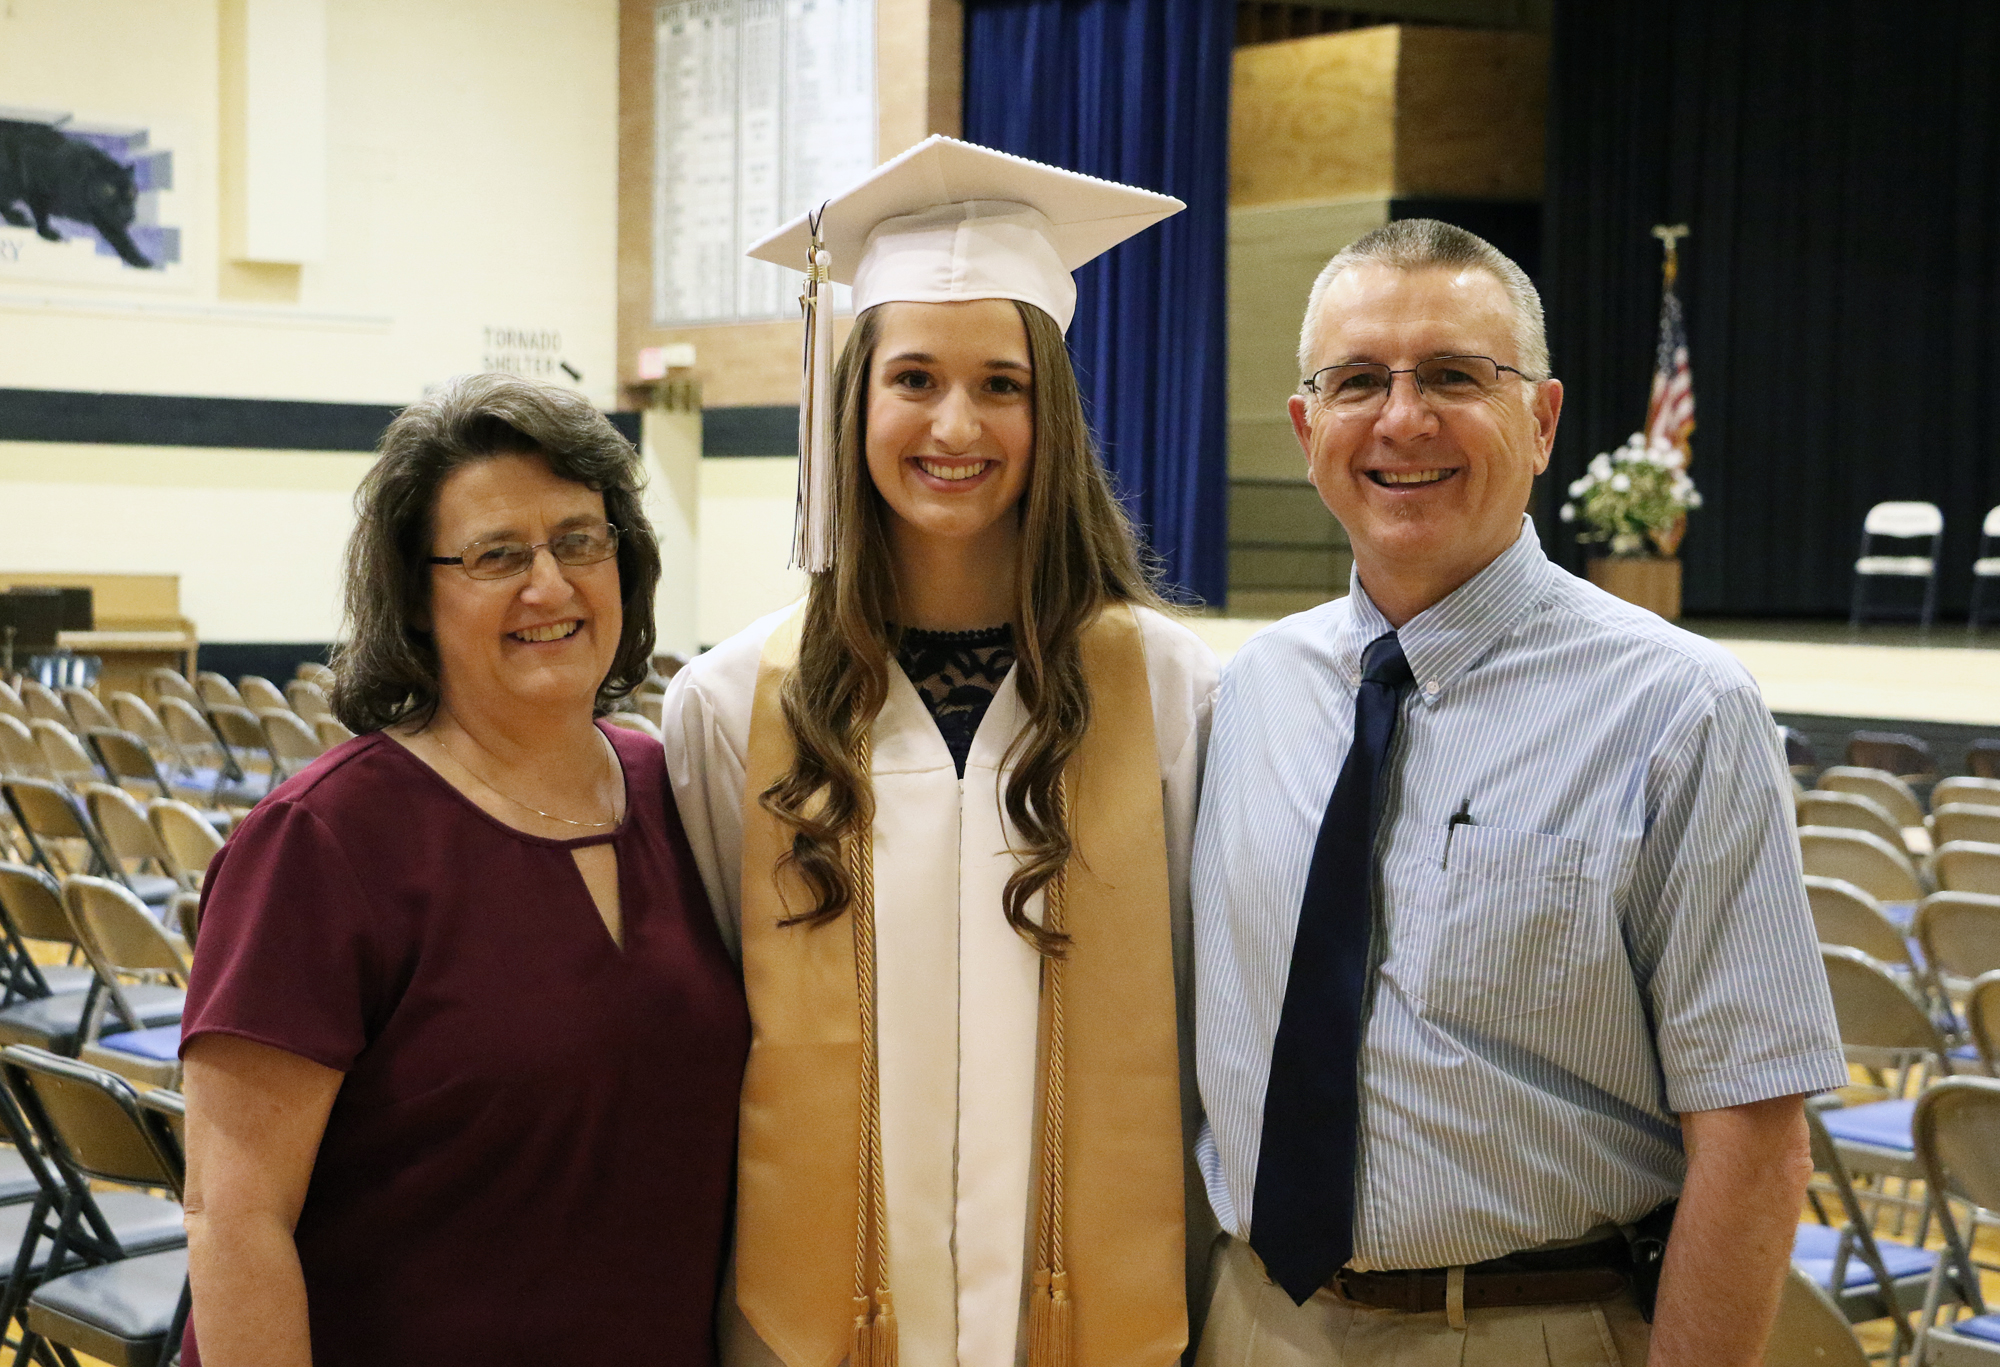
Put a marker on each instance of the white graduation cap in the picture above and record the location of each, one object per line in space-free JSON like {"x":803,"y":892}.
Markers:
{"x":943,"y":222}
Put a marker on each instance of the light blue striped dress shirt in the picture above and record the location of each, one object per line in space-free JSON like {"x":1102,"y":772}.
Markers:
{"x":1620,"y":935}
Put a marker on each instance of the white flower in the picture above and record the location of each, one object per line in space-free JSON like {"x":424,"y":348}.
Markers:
{"x":1568,"y":513}
{"x":1693,"y":499}
{"x":1601,"y":466}
{"x":1621,"y":484}
{"x":1579,"y":487}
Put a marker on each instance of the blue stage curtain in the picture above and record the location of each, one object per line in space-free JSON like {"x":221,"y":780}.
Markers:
{"x":1134,"y":91}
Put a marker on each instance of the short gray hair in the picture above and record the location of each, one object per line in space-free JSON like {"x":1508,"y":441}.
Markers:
{"x":1414,"y":244}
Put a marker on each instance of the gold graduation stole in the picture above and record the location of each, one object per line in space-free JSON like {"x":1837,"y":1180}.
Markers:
{"x":1108,"y":1285}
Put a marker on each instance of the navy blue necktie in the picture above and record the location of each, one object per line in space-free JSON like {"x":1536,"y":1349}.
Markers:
{"x":1302,"y":1219}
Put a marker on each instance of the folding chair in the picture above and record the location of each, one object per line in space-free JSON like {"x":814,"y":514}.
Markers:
{"x":215,"y":690}
{"x":313,"y":672}
{"x":1811,"y":1330}
{"x":1881,"y":870}
{"x":127,"y":1305}
{"x":85,"y":711}
{"x":1868,"y":1278}
{"x":1966,"y":792}
{"x":163,"y":683}
{"x":1982,"y":758}
{"x":1799,"y":754}
{"x":1845,"y":915}
{"x":1884,"y":1029}
{"x":58,"y":831}
{"x":123,"y":941}
{"x":1986,"y":567}
{"x":1849,"y":811}
{"x":1963,"y":821}
{"x":332,"y":731}
{"x":634,"y":721}
{"x":1959,"y":933}
{"x":135,"y":715}
{"x":289,"y":741}
{"x":1899,"y":522}
{"x":131,"y":845}
{"x":56,"y":1022}
{"x":1894,"y":752}
{"x":308,"y":699}
{"x":259,"y":693}
{"x":44,"y":703}
{"x":1886,"y":788}
{"x":20,"y":757}
{"x":68,"y":761}
{"x":187,"y":839}
{"x":243,"y":737}
{"x":31,"y":909}
{"x":1967,"y":866}
{"x":11,"y":704}
{"x":1956,"y":1132}
{"x":211,"y":766}
{"x":1982,"y":1017}
{"x":126,"y":760}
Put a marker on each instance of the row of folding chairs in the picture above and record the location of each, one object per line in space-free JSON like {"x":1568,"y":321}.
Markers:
{"x":1899,"y":753}
{"x":1890,"y":874}
{"x":156,"y":850}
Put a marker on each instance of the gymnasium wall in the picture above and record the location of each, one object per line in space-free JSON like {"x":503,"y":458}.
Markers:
{"x":449,"y":204}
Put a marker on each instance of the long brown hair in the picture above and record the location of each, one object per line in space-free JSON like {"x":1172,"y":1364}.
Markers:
{"x":1077,"y":553}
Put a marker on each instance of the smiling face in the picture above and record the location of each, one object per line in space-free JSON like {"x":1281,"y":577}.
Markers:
{"x":1429,"y":493}
{"x":545,"y":638}
{"x":951,"y":422}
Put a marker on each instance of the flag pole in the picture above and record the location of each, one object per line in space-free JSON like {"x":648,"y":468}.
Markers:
{"x":1670,"y":236}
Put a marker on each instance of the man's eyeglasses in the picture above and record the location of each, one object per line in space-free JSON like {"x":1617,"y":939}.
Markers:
{"x":1363,"y":386}
{"x":588,"y":545}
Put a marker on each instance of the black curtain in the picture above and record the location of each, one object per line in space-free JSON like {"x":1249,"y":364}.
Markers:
{"x":1134,"y":91}
{"x":1839,"y":166}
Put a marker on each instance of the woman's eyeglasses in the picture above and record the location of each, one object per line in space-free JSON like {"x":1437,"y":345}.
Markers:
{"x":580,"y":546}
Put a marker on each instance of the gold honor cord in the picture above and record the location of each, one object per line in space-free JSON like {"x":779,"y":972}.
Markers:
{"x":873,"y":1343}
{"x":813,"y":517}
{"x":1050,"y":1308}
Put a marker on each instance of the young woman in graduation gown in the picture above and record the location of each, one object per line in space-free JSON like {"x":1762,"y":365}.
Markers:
{"x":947,"y":803}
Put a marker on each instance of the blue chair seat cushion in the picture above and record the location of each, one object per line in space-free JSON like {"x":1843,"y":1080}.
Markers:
{"x":1878,"y":1124}
{"x":1984,"y":1327}
{"x":1814,"y":1248}
{"x":53,"y":1023}
{"x":162,"y":1043}
{"x":107,"y":1311}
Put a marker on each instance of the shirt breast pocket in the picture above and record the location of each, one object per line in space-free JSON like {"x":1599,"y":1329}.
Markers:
{"x":1502,"y":938}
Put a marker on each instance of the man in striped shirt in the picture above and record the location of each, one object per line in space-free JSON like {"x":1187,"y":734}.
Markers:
{"x":1543,"y":963}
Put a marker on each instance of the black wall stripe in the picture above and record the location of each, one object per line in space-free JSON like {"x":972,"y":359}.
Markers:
{"x":74,"y":416}
{"x":750,"y":431}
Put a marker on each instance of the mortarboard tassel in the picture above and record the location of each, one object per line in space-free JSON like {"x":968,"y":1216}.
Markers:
{"x":813,"y":526}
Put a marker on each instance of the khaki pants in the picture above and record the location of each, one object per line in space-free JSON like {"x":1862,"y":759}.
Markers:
{"x":1253,"y":1323}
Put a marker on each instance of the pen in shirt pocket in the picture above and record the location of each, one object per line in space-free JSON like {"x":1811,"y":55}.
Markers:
{"x":1461,"y":817}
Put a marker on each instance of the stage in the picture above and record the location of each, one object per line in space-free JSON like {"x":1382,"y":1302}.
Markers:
{"x":1942,"y":686}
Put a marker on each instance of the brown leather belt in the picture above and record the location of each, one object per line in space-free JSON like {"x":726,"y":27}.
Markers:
{"x":1590,"y":1272}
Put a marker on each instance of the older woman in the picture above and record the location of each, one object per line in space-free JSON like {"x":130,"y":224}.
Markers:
{"x":462,"y":1043}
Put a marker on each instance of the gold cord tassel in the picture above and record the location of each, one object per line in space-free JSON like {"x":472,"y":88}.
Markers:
{"x":873,"y":1340}
{"x":1051,"y":1336}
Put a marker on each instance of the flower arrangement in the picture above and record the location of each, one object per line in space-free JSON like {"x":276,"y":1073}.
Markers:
{"x":1636,"y":493}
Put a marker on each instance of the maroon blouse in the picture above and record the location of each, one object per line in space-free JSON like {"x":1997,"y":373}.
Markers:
{"x":530,"y":1157}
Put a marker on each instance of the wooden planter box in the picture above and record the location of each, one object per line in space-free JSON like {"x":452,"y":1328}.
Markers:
{"x":1648,"y":581}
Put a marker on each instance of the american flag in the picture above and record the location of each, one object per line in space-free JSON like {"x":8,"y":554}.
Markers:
{"x":1670,"y":410}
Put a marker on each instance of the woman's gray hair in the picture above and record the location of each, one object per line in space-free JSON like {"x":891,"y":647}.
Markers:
{"x":1414,"y":244}
{"x":386,"y":672}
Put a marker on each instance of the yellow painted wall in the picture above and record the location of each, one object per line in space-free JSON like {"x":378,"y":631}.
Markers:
{"x":471,"y":184}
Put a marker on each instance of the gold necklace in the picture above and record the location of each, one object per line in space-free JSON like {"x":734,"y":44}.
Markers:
{"x":488,"y":784}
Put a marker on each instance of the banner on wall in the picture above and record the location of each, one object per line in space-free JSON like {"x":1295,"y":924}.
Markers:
{"x":762,"y":109}
{"x":86,"y":203}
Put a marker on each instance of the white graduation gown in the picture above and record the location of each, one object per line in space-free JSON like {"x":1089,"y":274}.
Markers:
{"x":957,"y":988}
